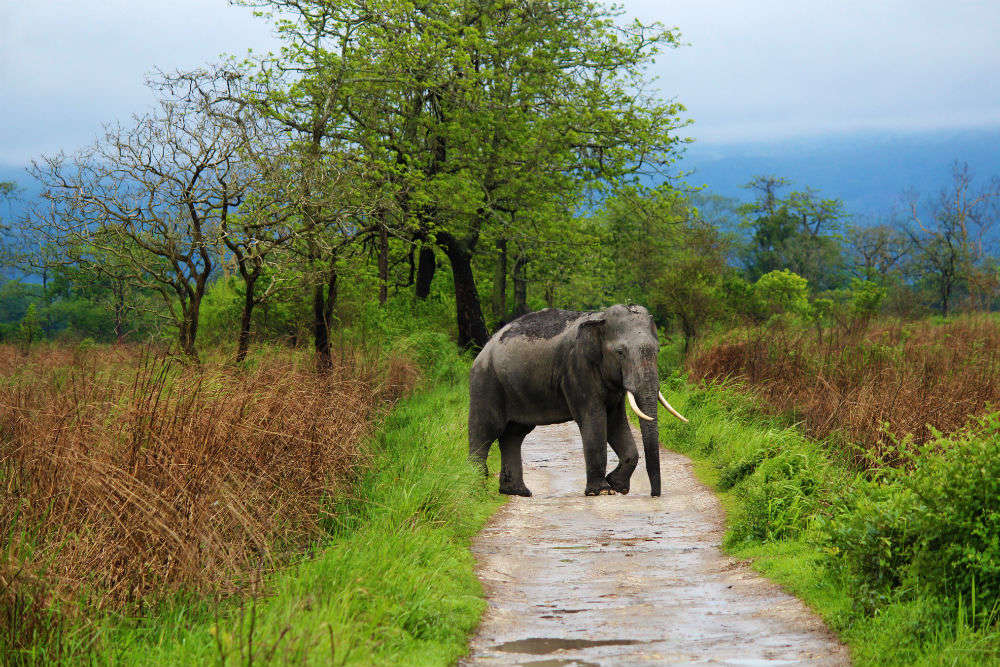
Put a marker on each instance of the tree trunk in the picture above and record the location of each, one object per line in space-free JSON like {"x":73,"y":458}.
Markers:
{"x":520,"y":286}
{"x":550,"y":295}
{"x":120,"y":310}
{"x":189,"y":332}
{"x":383,"y":260}
{"x":500,"y":284}
{"x":468,"y":311}
{"x":324,"y":299}
{"x":249,"y":301}
{"x":425,"y":271}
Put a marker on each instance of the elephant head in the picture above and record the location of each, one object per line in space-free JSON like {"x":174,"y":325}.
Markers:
{"x":628,"y":348}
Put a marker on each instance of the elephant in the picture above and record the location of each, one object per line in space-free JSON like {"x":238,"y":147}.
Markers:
{"x":552,"y":366}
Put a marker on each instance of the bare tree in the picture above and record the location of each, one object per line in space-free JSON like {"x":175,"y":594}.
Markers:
{"x":953,"y":237}
{"x":148,"y":202}
{"x":877,"y":249}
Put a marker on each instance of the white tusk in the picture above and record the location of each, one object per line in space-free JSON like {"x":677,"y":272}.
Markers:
{"x":671,"y":410}
{"x":635,"y":408}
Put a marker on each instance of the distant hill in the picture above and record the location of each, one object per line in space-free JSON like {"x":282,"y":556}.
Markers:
{"x":867,"y":171}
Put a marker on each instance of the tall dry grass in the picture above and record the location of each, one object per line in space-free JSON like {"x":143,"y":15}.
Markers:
{"x":125,"y":478}
{"x":874,"y":386}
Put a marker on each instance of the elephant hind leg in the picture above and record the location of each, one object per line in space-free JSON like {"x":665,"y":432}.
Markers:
{"x":486,"y":423}
{"x":481,"y":438}
{"x":511,"y":465}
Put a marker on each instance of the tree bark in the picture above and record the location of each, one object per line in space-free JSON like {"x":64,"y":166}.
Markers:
{"x":324,"y":299}
{"x":520,"y":286}
{"x":500,"y":283}
{"x":189,"y":331}
{"x":425,"y":271}
{"x":249,"y":301}
{"x":383,"y":260}
{"x":472,"y":331}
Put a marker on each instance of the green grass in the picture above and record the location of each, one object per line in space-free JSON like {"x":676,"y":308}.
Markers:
{"x":780,"y":491}
{"x":392,"y":584}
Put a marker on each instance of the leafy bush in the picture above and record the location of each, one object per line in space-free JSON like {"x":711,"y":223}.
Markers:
{"x":784,"y":292}
{"x":934,"y":530}
{"x":866,"y":298}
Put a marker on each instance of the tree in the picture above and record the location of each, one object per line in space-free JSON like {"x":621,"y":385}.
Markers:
{"x":468,"y":111}
{"x":952,"y":238}
{"x":145,"y":204}
{"x":799,"y":232}
{"x":8,"y":193}
{"x":305,"y":92}
{"x":876,"y":250}
{"x":656,"y":248}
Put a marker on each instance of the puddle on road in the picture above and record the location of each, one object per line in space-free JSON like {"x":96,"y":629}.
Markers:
{"x":543,"y":645}
{"x":561,"y":662}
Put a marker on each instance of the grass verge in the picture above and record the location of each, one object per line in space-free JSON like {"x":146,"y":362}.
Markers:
{"x":791,"y":500}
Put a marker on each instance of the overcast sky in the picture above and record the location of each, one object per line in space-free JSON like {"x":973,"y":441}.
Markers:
{"x":753,"y":70}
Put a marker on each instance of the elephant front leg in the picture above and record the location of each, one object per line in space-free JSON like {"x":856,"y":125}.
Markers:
{"x":621,"y":440}
{"x":594,"y":431}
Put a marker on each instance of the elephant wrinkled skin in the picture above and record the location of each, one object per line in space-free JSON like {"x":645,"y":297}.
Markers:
{"x":554,"y":366}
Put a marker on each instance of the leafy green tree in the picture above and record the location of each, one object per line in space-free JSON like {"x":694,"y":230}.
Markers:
{"x":30,"y":326}
{"x":783,"y":291}
{"x":468,"y":112}
{"x":799,"y":232}
{"x":654,"y":247}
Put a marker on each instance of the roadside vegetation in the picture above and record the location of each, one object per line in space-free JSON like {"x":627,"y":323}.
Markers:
{"x":231,"y":515}
{"x":852,"y":485}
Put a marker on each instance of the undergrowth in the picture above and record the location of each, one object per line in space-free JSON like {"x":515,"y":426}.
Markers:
{"x":236,"y":515}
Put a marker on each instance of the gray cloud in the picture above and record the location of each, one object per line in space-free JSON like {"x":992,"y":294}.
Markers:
{"x":767,"y":69}
{"x":782,"y":68}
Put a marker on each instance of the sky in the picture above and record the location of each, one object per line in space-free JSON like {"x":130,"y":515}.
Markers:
{"x":766,"y":70}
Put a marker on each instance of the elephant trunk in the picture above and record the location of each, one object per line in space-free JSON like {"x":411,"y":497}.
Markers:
{"x":650,"y":436}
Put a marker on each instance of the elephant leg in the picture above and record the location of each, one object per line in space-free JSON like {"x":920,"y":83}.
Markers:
{"x":621,"y":441}
{"x":594,"y":432}
{"x":511,"y":466}
{"x":486,"y":422}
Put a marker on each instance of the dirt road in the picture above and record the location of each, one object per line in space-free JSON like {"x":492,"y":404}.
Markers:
{"x":623,"y":580}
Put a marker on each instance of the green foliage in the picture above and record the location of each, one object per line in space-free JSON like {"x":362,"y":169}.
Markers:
{"x":30,"y":326}
{"x":782,"y":292}
{"x":933,"y":530}
{"x":800,"y":232}
{"x":866,"y":298}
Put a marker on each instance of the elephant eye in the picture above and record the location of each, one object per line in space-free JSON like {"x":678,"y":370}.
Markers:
{"x":620,"y":351}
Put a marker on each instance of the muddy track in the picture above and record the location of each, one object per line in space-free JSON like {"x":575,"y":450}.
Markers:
{"x":621,"y":580}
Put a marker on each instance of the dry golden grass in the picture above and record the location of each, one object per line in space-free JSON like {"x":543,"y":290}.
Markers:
{"x":125,"y":477}
{"x":903,"y":379}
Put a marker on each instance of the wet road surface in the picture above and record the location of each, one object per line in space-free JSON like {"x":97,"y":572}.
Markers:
{"x":624,"y":580}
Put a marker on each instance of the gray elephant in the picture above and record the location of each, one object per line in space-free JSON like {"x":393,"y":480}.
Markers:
{"x":554,"y":366}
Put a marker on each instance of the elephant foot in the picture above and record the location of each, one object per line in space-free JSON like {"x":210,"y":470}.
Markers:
{"x":602,"y":488}
{"x":621,"y":487}
{"x":515,"y":490}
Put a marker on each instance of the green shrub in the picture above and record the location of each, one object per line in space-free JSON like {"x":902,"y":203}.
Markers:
{"x":934,"y":530}
{"x":866,"y":298}
{"x":784,"y":292}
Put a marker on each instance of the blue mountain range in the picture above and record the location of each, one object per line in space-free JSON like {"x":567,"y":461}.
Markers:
{"x":868,"y":171}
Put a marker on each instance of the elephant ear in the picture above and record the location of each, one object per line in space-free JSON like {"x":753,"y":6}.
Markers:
{"x":590,"y":339}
